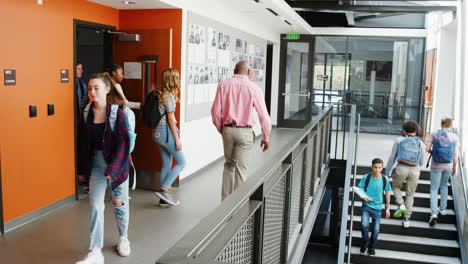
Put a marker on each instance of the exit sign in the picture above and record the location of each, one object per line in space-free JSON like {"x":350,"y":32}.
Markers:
{"x":293,"y":35}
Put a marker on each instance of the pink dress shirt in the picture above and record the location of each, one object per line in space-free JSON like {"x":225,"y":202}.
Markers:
{"x":235,"y":100}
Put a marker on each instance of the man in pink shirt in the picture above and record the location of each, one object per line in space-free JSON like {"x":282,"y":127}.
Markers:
{"x":232,"y":114}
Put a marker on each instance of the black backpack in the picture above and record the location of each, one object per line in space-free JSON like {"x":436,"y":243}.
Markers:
{"x":150,"y":111}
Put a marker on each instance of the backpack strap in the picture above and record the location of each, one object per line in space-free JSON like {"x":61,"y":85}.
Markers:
{"x":113,"y":116}
{"x":86,"y":112}
{"x":367,"y":182}
{"x":384,"y":181}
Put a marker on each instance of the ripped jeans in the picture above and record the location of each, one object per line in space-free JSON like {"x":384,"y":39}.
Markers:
{"x":97,"y":190}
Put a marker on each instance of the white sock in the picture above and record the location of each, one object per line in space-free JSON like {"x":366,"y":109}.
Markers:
{"x":123,"y":237}
{"x":96,"y":249}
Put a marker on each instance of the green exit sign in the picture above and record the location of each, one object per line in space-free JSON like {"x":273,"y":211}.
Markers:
{"x":293,"y":35}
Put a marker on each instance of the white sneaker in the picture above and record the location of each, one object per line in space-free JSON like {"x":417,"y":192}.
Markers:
{"x":406,"y":223}
{"x":442,"y":212}
{"x":124,"y":248}
{"x":94,"y":257}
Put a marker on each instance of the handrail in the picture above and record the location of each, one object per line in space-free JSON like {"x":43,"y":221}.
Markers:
{"x":354,"y":184}
{"x":461,"y":213}
{"x":195,"y":242}
{"x":462,"y":172}
{"x":349,"y":157}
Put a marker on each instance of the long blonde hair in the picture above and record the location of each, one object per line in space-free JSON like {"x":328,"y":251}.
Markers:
{"x":170,"y":83}
{"x":113,"y":97}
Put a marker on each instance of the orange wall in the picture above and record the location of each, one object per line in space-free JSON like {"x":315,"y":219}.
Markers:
{"x":157,"y":19}
{"x":163,"y":19}
{"x":37,"y":154}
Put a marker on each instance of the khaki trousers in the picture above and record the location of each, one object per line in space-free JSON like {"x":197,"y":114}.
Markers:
{"x":237,"y":142}
{"x":411,"y":176}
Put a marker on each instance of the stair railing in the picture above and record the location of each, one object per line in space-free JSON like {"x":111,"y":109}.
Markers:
{"x":346,"y":190}
{"x":460,"y":200}
{"x":353,"y":184}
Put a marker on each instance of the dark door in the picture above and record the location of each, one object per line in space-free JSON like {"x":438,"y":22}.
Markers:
{"x":92,"y":49}
{"x":296,"y":69}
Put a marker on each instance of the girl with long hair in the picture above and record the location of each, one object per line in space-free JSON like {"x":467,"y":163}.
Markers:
{"x":167,"y":136}
{"x":104,"y":159}
{"x":117,"y":74}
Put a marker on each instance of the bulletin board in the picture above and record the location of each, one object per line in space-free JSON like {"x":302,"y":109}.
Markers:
{"x":213,"y":49}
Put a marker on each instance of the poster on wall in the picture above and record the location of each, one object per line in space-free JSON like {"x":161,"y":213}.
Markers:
{"x":197,"y":44}
{"x":224,"y":54}
{"x":212,"y":45}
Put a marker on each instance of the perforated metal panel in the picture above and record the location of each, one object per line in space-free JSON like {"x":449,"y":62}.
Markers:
{"x":240,"y":248}
{"x":273,"y":223}
{"x":295,"y":194}
{"x":308,"y":172}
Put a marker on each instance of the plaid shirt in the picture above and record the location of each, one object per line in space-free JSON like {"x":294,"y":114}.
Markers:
{"x":116,"y":147}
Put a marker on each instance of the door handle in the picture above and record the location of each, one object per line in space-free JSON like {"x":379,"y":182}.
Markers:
{"x":298,"y":94}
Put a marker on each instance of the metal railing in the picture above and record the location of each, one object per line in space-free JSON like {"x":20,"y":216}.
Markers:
{"x":270,"y":217}
{"x":356,"y":144}
{"x":460,"y":198}
{"x":350,"y":157}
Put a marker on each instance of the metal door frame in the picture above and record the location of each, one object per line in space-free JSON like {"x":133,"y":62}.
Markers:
{"x":310,"y":39}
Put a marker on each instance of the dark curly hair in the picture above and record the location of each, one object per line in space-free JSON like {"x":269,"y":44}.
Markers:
{"x":411,"y":126}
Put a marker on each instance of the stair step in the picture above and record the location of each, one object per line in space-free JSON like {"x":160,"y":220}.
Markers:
{"x":417,"y":228}
{"x":439,"y":247}
{"x":390,"y":257}
{"x":424,"y":186}
{"x":425,"y":172}
{"x":419,"y":213}
{"x":421,"y":199}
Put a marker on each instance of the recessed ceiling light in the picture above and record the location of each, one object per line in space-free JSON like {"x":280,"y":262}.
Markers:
{"x":129,"y":2}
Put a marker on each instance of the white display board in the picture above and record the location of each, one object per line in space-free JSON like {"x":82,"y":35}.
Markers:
{"x":213,"y":49}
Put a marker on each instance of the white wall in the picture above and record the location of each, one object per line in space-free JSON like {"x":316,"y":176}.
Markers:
{"x":445,"y":76}
{"x":442,"y":36}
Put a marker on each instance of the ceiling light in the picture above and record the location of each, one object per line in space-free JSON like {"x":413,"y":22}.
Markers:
{"x":129,"y":2}
{"x":272,"y":11}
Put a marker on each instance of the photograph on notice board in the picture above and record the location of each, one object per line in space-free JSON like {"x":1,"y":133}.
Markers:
{"x":259,"y":51}
{"x":212,"y":37}
{"x":197,"y":44}
{"x":238,"y":45}
{"x":259,"y":76}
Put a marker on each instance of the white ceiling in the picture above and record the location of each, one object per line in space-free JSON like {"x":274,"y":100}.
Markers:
{"x":247,"y":15}
{"x":140,"y":4}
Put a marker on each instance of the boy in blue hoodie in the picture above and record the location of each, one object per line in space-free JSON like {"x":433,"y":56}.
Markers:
{"x":374,"y":185}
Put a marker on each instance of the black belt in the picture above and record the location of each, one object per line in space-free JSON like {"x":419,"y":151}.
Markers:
{"x":234,"y":125}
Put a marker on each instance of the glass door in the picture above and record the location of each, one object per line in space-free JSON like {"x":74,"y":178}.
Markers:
{"x":331,"y":73}
{"x":295,"y":83}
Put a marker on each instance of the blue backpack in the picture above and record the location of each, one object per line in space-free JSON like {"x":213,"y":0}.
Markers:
{"x":409,"y":151}
{"x":443,"y":148}
{"x":130,"y":118}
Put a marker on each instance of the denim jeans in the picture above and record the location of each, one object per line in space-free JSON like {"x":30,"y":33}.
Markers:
{"x":367,"y":214}
{"x":97,"y":190}
{"x":439,"y":179}
{"x":163,"y":136}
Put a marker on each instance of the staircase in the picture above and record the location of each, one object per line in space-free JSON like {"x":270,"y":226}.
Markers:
{"x":416,"y":245}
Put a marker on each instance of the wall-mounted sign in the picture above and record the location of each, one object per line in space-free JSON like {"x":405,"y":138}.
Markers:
{"x":293,"y":35}
{"x":132,"y":70}
{"x":10,"y":77}
{"x":64,"y":77}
